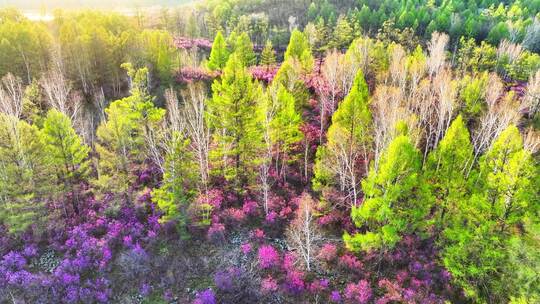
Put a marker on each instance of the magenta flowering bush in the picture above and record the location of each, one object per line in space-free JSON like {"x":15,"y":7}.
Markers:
{"x":359,"y":293}
{"x":328,"y":252}
{"x":268,"y":285}
{"x":268,"y":257}
{"x":190,"y":43}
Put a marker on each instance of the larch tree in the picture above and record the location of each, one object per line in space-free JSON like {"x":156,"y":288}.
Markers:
{"x":123,"y":136}
{"x":479,"y":241}
{"x":67,"y":154}
{"x":392,"y":203}
{"x":219,"y":54}
{"x":25,"y":175}
{"x":285,"y":130}
{"x":268,"y":55}
{"x":446,"y":171}
{"x":243,"y":47}
{"x":300,"y":50}
{"x":339,"y":161}
{"x":237,"y":134}
{"x":343,"y":34}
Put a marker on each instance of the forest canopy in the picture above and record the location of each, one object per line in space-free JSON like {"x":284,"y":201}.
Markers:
{"x":253,"y":151}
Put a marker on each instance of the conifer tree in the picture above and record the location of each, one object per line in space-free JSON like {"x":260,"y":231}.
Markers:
{"x":285,"y":129}
{"x":243,"y":48}
{"x":343,"y":33}
{"x":123,"y":137}
{"x":300,"y":50}
{"x":67,"y":154}
{"x":24,"y":175}
{"x":479,"y":241}
{"x":393,"y":204}
{"x":219,"y":54}
{"x":446,"y":171}
{"x":349,"y":139}
{"x":177,"y":191}
{"x":268,"y":55}
{"x":236,"y":128}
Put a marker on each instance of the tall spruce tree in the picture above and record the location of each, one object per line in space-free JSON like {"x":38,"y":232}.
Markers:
{"x":338,"y":162}
{"x":67,"y":154}
{"x":25,"y":175}
{"x":219,"y":54}
{"x":393,"y":203}
{"x":236,"y":128}
{"x":268,"y":55}
{"x":446,"y":171}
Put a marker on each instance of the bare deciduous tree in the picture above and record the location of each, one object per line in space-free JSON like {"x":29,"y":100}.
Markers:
{"x":193,"y":114}
{"x":500,"y":113}
{"x":436,"y":49}
{"x":303,"y":233}
{"x":11,"y":96}
{"x":269,"y":109}
{"x":58,"y":92}
{"x":532,"y":95}
{"x":531,"y":141}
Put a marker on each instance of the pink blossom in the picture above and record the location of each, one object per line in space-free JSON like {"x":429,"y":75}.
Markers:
{"x":269,"y":285}
{"x":328,"y":252}
{"x":268,"y":257}
{"x":246,"y":248}
{"x":359,"y":293}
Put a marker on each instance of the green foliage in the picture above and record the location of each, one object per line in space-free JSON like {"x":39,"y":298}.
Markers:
{"x":300,"y":50}
{"x":121,"y":138}
{"x":159,"y":54}
{"x":219,"y":54}
{"x":393,"y":203}
{"x":177,"y":190}
{"x":348,"y":141}
{"x":243,"y":48}
{"x":268,"y":55}
{"x":94,"y":45}
{"x":343,"y":34}
{"x":25,"y":175}
{"x":285,"y":125}
{"x":446,"y":171}
{"x":66,"y":153}
{"x":472,"y":95}
{"x":491,"y":223}
{"x":236,"y":130}
{"x":24,"y":46}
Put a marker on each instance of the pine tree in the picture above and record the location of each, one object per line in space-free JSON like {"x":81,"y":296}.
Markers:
{"x":219,"y":54}
{"x":25,"y":175}
{"x":268,"y":55}
{"x":508,"y":171}
{"x":243,"y":48}
{"x":446,"y":171}
{"x":285,"y":129}
{"x":479,"y":241}
{"x":393,"y":204}
{"x":236,"y":128}
{"x":176,"y":192}
{"x":349,"y":138}
{"x":343,"y":33}
{"x":123,"y":137}
{"x":300,"y":50}
{"x":66,"y":153}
